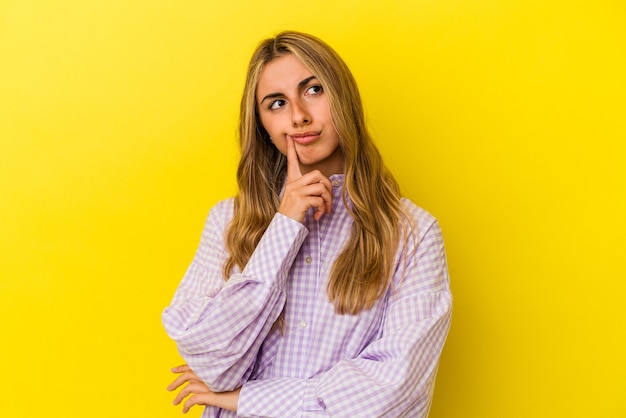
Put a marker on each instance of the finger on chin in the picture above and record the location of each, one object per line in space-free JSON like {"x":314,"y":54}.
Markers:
{"x":293,"y":163}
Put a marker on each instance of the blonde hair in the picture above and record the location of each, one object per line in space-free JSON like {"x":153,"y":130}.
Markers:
{"x":363,"y":270}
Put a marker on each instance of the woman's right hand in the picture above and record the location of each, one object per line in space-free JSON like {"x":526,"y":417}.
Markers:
{"x":302,"y":192}
{"x":200,"y":392}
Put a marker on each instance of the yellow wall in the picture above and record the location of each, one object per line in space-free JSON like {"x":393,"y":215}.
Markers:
{"x":506,"y":119}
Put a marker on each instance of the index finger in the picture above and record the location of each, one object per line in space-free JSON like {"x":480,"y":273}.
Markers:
{"x":293,"y":164}
{"x":181,"y":369}
{"x":182,"y":379}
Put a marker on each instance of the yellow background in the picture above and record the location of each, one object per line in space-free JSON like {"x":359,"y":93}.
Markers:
{"x":505,"y":119}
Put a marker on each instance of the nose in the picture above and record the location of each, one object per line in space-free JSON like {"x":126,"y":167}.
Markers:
{"x":299,"y":114}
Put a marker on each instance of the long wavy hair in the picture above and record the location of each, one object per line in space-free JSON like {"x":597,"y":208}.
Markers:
{"x":363,"y":270}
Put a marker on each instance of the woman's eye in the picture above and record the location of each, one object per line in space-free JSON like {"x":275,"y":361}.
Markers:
{"x":314,"y":90}
{"x":277,"y":104}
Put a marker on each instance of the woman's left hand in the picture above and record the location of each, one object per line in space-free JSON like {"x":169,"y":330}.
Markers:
{"x":200,"y":392}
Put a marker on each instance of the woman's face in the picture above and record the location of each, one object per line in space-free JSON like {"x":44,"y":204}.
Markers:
{"x":292,"y":103}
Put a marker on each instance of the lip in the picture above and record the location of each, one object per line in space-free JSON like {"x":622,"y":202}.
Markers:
{"x":305,"y":138}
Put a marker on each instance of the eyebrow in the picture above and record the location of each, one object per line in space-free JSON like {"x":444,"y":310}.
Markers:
{"x":301,"y":85}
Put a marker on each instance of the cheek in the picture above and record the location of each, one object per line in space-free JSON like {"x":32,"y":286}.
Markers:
{"x":270,"y":125}
{"x":281,"y":144}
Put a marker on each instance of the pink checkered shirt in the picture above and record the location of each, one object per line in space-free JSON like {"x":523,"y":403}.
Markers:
{"x":379,"y":363}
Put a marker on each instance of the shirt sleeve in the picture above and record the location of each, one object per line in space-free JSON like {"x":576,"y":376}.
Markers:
{"x":394,"y":374}
{"x":219,"y":325}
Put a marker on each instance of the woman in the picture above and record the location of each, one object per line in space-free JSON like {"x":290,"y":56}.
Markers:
{"x":318,"y":289}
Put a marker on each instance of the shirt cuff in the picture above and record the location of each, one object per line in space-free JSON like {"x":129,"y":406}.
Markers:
{"x":279,"y":397}
{"x":276,"y":251}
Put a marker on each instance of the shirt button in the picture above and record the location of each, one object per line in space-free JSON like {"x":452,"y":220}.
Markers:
{"x":308,"y":260}
{"x":302,"y":323}
{"x":336,"y":183}
{"x":213,"y":292}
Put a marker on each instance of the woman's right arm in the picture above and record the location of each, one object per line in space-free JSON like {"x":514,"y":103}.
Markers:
{"x":220,"y":325}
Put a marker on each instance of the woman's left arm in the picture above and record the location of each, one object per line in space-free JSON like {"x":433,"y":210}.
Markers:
{"x":394,"y":374}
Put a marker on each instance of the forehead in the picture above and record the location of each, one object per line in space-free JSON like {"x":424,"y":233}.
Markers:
{"x":281,"y":75}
